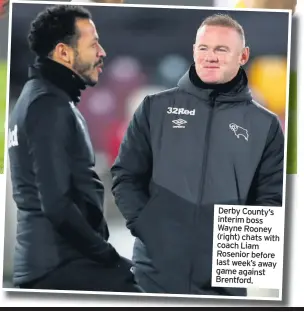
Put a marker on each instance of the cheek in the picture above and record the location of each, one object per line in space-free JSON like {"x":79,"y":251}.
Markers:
{"x":89,"y":55}
{"x":227,"y":60}
{"x":199,"y":58}
{"x":235,"y":61}
{"x":223,"y":60}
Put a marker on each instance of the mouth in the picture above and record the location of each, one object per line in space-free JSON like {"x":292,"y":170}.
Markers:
{"x":211,"y":67}
{"x":99,"y":67}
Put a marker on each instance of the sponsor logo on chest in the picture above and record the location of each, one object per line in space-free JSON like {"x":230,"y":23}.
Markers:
{"x":180,"y":111}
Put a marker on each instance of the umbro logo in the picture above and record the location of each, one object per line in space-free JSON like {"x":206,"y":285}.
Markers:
{"x":239,"y":131}
{"x":179,"y":123}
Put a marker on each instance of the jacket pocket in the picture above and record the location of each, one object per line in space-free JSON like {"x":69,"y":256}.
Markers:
{"x":144,"y":210}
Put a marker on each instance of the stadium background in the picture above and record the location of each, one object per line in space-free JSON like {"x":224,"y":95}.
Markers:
{"x":137,"y":65}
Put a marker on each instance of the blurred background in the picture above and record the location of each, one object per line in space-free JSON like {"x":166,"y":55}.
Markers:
{"x":3,"y":69}
{"x":148,"y":50}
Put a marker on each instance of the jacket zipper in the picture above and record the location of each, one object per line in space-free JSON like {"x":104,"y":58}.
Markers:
{"x":202,"y":181}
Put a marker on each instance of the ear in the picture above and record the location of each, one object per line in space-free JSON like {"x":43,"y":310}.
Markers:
{"x":63,"y":53}
{"x":194,"y":51}
{"x":244,"y":56}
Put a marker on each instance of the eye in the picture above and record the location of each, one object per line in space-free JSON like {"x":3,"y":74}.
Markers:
{"x":222,"y":50}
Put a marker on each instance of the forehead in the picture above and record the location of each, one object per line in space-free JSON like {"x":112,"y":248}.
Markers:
{"x":86,"y":29}
{"x":217,"y":35}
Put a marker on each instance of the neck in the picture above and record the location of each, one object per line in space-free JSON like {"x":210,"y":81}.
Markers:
{"x":61,"y":76}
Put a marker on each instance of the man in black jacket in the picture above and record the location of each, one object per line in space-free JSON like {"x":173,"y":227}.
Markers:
{"x":202,"y":143}
{"x":62,"y":236}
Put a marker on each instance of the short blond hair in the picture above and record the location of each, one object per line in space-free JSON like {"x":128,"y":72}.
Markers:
{"x":224,"y":20}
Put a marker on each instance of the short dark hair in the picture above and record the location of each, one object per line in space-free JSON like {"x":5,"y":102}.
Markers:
{"x":226,"y":21}
{"x":54,"y":25}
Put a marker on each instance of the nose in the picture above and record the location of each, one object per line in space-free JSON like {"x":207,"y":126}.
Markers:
{"x":211,"y":56}
{"x":101,"y":51}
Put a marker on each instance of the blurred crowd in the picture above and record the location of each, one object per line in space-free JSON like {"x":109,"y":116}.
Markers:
{"x":148,"y":53}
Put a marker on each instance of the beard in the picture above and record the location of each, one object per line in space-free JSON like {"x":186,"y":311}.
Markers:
{"x":83,"y":69}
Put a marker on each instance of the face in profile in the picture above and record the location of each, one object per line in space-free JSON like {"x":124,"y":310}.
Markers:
{"x":218,"y":53}
{"x":88,"y":55}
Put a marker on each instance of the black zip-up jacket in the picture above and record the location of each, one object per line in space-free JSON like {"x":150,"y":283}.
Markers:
{"x":185,"y":150}
{"x":57,"y":192}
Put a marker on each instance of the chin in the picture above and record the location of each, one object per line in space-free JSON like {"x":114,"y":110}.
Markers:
{"x":211,"y":80}
{"x":92,"y":83}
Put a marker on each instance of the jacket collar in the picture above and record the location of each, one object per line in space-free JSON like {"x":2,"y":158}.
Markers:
{"x":234,"y":91}
{"x":59,"y":75}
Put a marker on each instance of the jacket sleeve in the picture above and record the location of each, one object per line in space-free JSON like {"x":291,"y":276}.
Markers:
{"x":131,"y":171}
{"x":49,"y":127}
{"x":270,"y":173}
